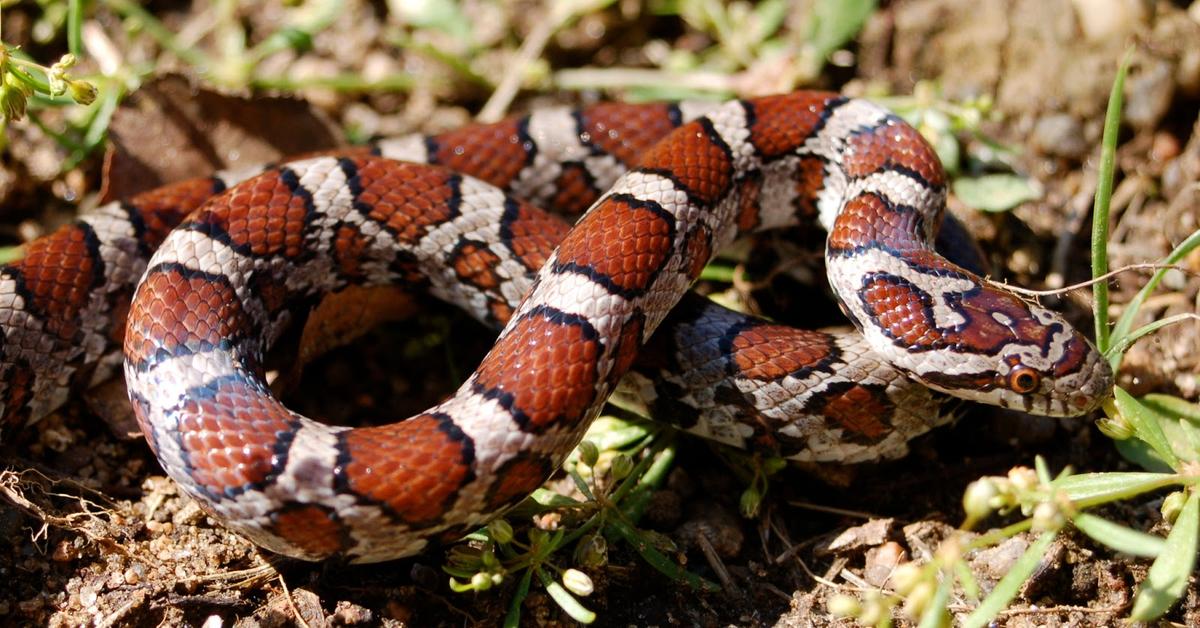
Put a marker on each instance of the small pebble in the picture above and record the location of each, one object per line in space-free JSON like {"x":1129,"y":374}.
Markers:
{"x":1059,"y":135}
{"x":87,"y":596}
{"x":133,"y":575}
{"x":882,"y":561}
{"x":1165,"y":147}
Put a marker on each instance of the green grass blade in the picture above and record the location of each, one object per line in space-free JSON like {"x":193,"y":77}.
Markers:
{"x":1010,"y":584}
{"x":1168,"y":576}
{"x":1125,"y":322}
{"x":656,"y":559}
{"x":1119,"y":537}
{"x":75,"y":27}
{"x":1122,"y":343}
{"x":513,"y":618}
{"x":935,"y":615}
{"x":1104,"y":187}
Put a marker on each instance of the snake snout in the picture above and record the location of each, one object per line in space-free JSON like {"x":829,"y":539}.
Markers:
{"x":1093,"y":388}
{"x":1084,"y":388}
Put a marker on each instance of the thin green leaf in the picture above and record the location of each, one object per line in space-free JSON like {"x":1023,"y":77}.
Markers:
{"x":634,"y":497}
{"x":1122,"y":343}
{"x":581,"y":485}
{"x":543,"y":500}
{"x":1168,"y":576}
{"x":1042,"y":469}
{"x":513,"y":618}
{"x":1191,"y":438}
{"x":1104,"y":187}
{"x":1183,"y":436}
{"x":346,"y":82}
{"x":1119,"y":537}
{"x":1172,"y":405}
{"x":613,"y":432}
{"x":967,"y":579}
{"x":75,"y":27}
{"x":564,"y":599}
{"x":936,"y":615}
{"x":642,"y":94}
{"x":769,"y":16}
{"x":452,"y":61}
{"x":718,"y":271}
{"x":1092,"y":489}
{"x":97,"y":131}
{"x":1145,"y":425}
{"x":1143,"y":455}
{"x":656,"y":559}
{"x":996,"y":192}
{"x":948,"y":150}
{"x":1010,"y":584}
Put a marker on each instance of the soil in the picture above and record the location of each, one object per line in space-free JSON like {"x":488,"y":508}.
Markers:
{"x":94,"y":534}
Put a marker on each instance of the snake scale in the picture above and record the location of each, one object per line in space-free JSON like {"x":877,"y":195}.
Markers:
{"x":668,"y":186}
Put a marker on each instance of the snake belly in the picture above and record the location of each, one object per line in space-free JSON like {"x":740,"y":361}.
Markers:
{"x":222,"y":286}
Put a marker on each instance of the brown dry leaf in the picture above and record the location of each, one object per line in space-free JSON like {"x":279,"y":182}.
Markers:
{"x":171,"y":130}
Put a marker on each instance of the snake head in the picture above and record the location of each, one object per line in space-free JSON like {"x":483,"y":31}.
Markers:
{"x":1071,"y":379}
{"x":973,"y":339}
{"x":1019,"y":355}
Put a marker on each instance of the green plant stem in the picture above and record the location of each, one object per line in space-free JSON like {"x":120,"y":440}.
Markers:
{"x":29,"y":79}
{"x":75,"y":27}
{"x":995,"y":536}
{"x":1104,"y":187}
{"x":340,"y":82}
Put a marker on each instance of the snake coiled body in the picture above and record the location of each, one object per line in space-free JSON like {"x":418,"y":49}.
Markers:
{"x":225,"y":284}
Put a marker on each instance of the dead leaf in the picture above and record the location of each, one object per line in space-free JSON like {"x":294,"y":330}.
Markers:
{"x":171,"y":130}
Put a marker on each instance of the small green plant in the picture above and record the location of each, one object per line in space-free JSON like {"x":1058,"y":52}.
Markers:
{"x":23,"y":78}
{"x":613,"y":491}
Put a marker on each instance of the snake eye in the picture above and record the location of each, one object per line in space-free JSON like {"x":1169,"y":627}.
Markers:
{"x":1023,"y":380}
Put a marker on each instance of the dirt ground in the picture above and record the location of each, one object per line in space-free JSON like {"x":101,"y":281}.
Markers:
{"x":94,"y":534}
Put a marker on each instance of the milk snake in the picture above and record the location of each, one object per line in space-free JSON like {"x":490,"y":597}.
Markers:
{"x":224,"y":284}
